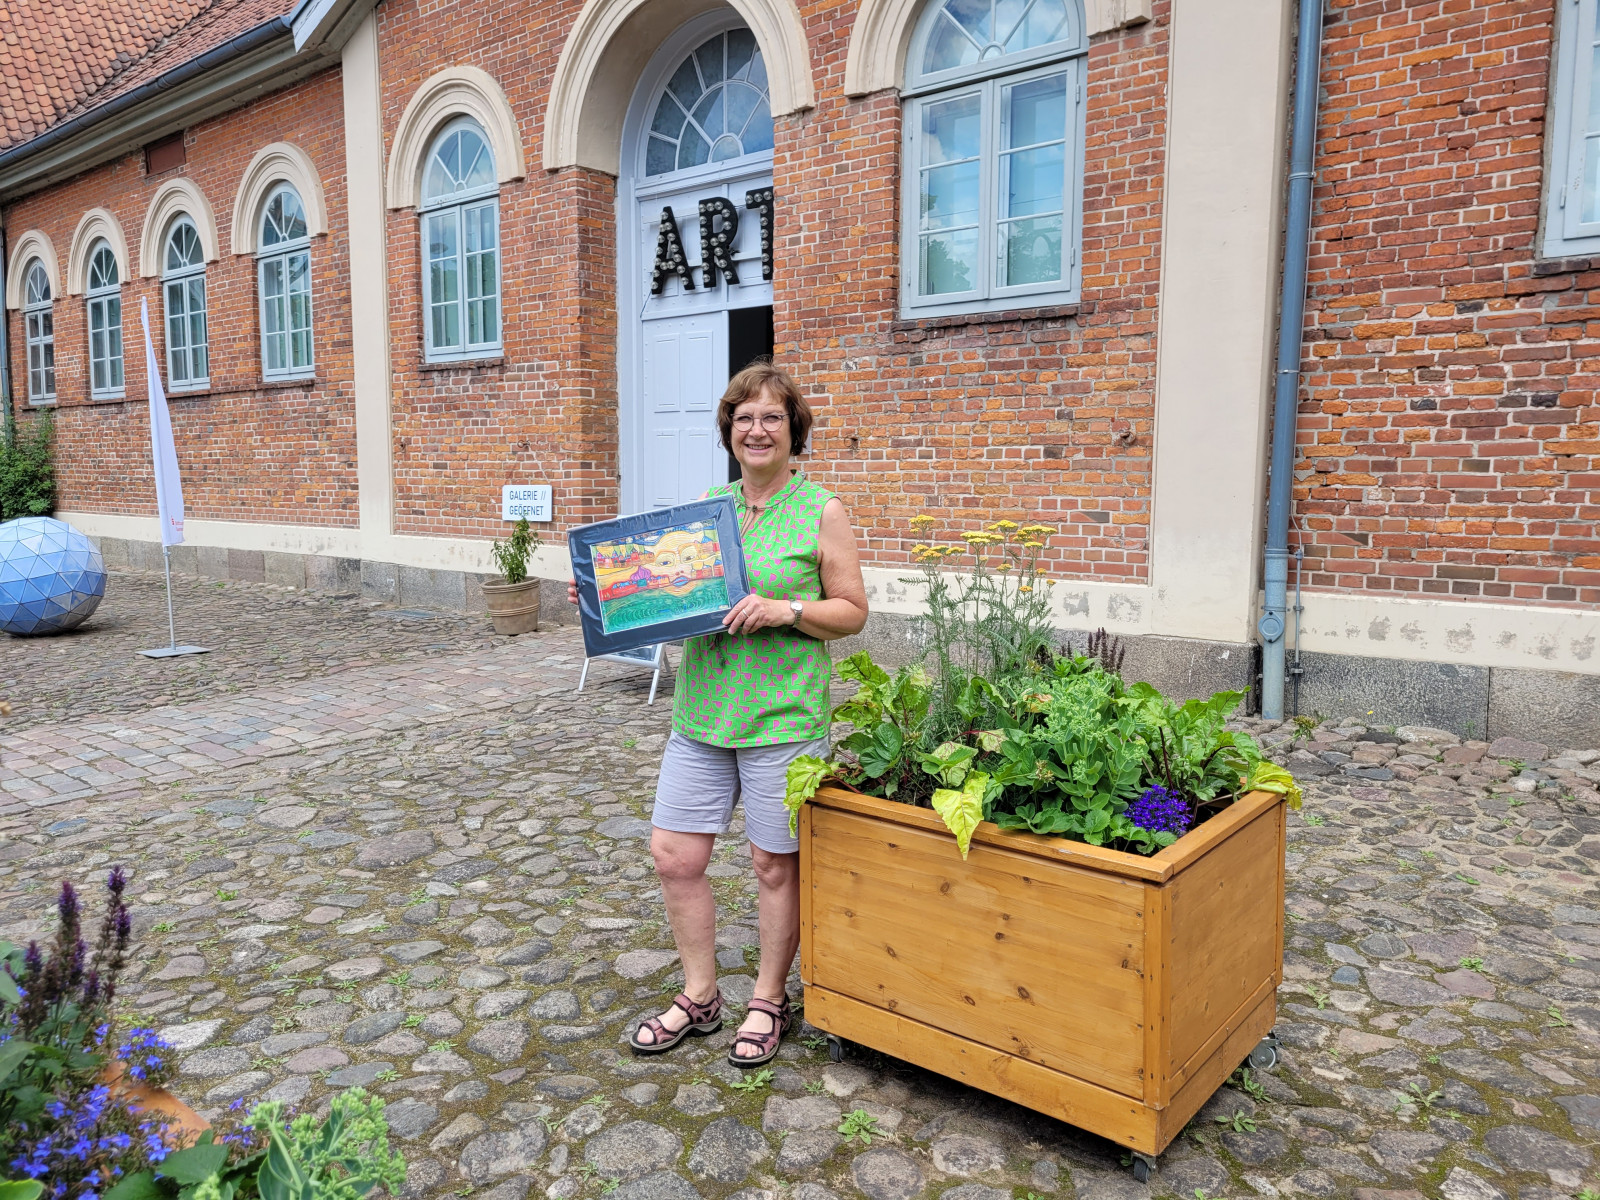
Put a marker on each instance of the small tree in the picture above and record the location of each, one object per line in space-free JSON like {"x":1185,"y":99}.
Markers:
{"x":27,"y":469}
{"x":512,"y":556}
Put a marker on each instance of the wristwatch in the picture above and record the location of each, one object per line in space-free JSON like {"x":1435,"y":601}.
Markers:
{"x":798,"y":610}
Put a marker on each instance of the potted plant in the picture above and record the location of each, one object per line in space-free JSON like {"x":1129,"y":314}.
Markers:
{"x":1110,"y":905}
{"x":511,"y":597}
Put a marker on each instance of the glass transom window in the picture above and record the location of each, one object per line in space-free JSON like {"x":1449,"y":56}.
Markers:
{"x":105,"y":322}
{"x":460,"y":246}
{"x":283,"y":263}
{"x":993,"y":147}
{"x":714,"y":107}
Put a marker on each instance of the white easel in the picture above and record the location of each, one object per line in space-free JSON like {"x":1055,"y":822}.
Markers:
{"x":654,"y":657}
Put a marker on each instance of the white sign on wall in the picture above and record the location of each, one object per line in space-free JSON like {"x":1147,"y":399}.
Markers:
{"x":531,"y":500}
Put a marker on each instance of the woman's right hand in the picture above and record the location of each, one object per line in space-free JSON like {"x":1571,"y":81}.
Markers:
{"x":572,"y":591}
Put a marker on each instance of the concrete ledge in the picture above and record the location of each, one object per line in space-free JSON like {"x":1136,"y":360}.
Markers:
{"x":1393,"y":691}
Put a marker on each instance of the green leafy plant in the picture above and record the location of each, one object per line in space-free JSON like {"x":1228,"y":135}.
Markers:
{"x":512,"y":555}
{"x":859,"y":1125}
{"x":20,"y":1189}
{"x":1471,"y":962}
{"x":753,"y":1082}
{"x":1556,"y":1021}
{"x":27,"y":468}
{"x":1312,"y":819}
{"x":226,"y":894}
{"x":412,"y":1020}
{"x":1240,"y":1122}
{"x":1245,"y":1080}
{"x":816,"y":1087}
{"x":1318,"y":996}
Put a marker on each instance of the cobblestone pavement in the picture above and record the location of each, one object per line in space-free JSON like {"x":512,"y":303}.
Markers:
{"x":259,"y":635}
{"x":450,"y":901}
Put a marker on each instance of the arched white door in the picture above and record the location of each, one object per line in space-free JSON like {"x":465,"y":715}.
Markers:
{"x":694,"y":250}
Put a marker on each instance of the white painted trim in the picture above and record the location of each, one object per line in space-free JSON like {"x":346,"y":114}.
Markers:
{"x":453,"y":92}
{"x":175,"y":197}
{"x":369,"y":279}
{"x":1077,"y":603}
{"x":433,"y":553}
{"x":1221,"y":205}
{"x":278,"y":163}
{"x":611,"y":41}
{"x":881,"y":36}
{"x":1469,"y":634}
{"x":35,"y":243}
{"x":95,"y":224}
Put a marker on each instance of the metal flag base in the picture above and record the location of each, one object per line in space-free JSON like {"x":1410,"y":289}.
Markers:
{"x":172,"y":649}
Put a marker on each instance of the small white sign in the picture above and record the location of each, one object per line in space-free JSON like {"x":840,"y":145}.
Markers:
{"x":531,"y":500}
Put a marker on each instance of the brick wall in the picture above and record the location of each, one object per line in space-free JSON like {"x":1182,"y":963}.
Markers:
{"x":249,"y":451}
{"x":1041,"y":416}
{"x":1448,"y":427}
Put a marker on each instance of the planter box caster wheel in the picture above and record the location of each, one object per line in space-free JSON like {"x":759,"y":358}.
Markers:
{"x":1143,"y":1165}
{"x":835,"y":1049}
{"x":1265,"y":1056}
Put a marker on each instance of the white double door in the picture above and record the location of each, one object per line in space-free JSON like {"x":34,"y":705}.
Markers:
{"x":670,"y":448}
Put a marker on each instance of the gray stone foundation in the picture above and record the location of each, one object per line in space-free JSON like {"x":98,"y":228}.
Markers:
{"x":1554,"y":707}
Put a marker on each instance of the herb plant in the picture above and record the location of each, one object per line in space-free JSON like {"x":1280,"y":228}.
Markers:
{"x":512,"y":556}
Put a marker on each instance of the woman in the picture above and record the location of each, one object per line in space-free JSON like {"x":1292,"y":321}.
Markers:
{"x":746,"y":704}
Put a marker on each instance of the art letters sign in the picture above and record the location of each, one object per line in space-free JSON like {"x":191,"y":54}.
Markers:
{"x":719,"y":226}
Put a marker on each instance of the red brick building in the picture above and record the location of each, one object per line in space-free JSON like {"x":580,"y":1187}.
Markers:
{"x":1025,"y":258}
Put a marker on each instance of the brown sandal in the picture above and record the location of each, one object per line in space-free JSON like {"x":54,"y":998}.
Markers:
{"x":704,"y":1019}
{"x":767,"y":1043}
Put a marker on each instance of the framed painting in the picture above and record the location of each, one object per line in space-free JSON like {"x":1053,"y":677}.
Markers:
{"x":657,"y":576}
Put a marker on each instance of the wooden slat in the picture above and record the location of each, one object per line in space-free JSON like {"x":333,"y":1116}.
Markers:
{"x":1221,"y":1033}
{"x":1031,"y":957}
{"x":1078,"y":854}
{"x":1224,"y":940}
{"x":806,"y":892}
{"x":1192,"y":847}
{"x":1157,"y":993}
{"x":1208,"y":1076}
{"x":1113,"y":1116}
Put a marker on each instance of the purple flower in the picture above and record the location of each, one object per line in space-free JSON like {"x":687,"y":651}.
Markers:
{"x":1160,"y":811}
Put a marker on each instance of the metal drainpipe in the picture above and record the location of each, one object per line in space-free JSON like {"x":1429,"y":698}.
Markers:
{"x":8,"y":426}
{"x":1292,"y":309}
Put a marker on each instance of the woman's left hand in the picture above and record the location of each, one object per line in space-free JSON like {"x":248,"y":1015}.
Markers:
{"x":757,"y":612}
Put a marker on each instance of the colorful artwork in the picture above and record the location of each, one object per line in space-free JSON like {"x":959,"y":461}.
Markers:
{"x":660,"y":576}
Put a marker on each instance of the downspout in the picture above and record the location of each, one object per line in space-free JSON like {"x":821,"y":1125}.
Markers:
{"x":8,"y":427}
{"x":1292,"y":311}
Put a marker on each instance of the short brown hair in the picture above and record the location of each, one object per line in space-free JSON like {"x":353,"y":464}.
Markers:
{"x":748,"y":384}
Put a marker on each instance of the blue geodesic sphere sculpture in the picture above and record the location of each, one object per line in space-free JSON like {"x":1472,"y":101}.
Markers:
{"x":51,"y":576}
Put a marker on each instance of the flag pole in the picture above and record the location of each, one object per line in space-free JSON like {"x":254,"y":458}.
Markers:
{"x":169,"y":488}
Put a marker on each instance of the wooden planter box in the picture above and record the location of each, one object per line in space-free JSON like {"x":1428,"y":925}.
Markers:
{"x":1111,"y":991}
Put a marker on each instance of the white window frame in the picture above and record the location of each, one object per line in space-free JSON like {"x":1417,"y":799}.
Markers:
{"x":279,"y":254}
{"x":100,"y":302}
{"x":39,"y":333}
{"x":986,"y":79}
{"x":456,"y":206}
{"x":183,"y":276}
{"x":1566,"y":234}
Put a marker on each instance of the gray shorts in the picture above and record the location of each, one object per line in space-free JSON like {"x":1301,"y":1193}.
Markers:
{"x":700,"y":784}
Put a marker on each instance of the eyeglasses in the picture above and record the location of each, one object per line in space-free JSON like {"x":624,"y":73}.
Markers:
{"x":770,"y":422}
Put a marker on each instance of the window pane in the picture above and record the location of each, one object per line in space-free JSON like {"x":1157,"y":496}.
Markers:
{"x":1591,"y":179}
{"x":1031,"y":181}
{"x":950,"y":196}
{"x":1034,"y":112}
{"x":949,"y":262}
{"x":952,"y":130}
{"x":272,"y":314}
{"x":300,"y":311}
{"x":1046,"y":22}
{"x":114,"y":339}
{"x":693,"y":150}
{"x":1030,"y":251}
{"x":197,"y":327}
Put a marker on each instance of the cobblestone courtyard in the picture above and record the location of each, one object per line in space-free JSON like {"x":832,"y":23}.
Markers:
{"x":388,"y":849}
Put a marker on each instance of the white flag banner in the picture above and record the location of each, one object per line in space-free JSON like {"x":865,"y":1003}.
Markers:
{"x":169,"y":488}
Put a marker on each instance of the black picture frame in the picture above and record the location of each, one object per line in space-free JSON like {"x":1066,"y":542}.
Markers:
{"x":618,"y":628}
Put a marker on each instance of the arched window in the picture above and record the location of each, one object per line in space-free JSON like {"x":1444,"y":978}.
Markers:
{"x":105,"y":321}
{"x":993,"y":126}
{"x":38,"y":319}
{"x":715,"y":107}
{"x":283,"y":261}
{"x":183,"y":280}
{"x":461,"y":244}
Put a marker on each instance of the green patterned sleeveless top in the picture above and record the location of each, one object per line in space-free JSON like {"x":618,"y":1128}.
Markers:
{"x":770,"y":686}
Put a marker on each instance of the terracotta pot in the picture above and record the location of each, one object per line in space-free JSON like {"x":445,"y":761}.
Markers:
{"x":513,"y":607}
{"x":182,"y":1121}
